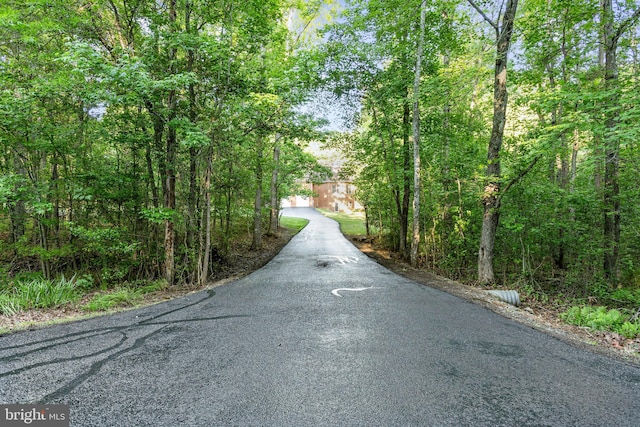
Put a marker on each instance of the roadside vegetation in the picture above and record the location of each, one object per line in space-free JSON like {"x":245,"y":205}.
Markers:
{"x":19,"y":295}
{"x":624,"y":319}
{"x":147,"y":141}
{"x":82,"y":295}
{"x":38,"y":293}
{"x":127,"y":295}
{"x":541,"y":196}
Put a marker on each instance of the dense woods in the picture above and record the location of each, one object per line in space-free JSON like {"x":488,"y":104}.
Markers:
{"x":528,"y":139}
{"x":140,"y":138}
{"x":494,"y":141}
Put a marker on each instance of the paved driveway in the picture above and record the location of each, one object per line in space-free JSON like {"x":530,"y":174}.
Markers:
{"x":320,"y":336}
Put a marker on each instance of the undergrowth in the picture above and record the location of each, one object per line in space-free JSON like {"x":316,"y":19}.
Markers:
{"x":122,"y":296}
{"x":38,"y":293}
{"x":602,"y":318}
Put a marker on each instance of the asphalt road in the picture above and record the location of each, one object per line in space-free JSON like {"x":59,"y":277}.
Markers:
{"x":320,"y":336}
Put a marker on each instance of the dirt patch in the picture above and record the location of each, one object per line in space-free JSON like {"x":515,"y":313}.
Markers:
{"x":532,"y":314}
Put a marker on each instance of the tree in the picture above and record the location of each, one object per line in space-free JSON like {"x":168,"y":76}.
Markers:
{"x":127,"y":97}
{"x":611,"y":34}
{"x":415,"y":240}
{"x":388,"y":33}
{"x":492,"y":192}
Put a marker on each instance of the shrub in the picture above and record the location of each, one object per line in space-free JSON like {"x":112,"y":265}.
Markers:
{"x":626,"y":296}
{"x":629,"y":330}
{"x":41,"y":293}
{"x":602,"y":319}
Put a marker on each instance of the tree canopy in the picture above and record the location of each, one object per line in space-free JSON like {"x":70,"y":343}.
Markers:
{"x":542,"y":180}
{"x":135,"y":133}
{"x":493,"y":141}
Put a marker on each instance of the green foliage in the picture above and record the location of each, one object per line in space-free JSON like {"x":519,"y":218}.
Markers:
{"x":9,"y":304}
{"x":123,"y":296}
{"x":601,"y":318}
{"x":95,"y":125}
{"x":630,"y":330}
{"x":38,"y":294}
{"x":625,"y":295}
{"x":87,"y":120}
{"x":45,"y":294}
{"x":118,"y":298}
{"x":104,"y":241}
{"x":10,"y":188}
{"x":158,"y":215}
{"x":154,"y":286}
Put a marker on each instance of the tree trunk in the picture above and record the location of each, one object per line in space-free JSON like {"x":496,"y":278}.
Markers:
{"x":18,"y":210}
{"x":170,"y":204}
{"x":274,"y":214}
{"x":192,"y":209}
{"x":403,"y":212}
{"x":491,"y":199}
{"x":45,"y":266}
{"x":225,"y":236}
{"x":391,"y":169}
{"x":192,"y":199}
{"x":203,"y":264}
{"x":158,"y":130}
{"x":367,"y":225}
{"x":415,"y":240}
{"x":611,"y":186}
{"x":257,"y":207}
{"x":447,"y":181}
{"x":170,"y":195}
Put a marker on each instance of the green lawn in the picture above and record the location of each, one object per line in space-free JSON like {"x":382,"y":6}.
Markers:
{"x":350,"y":224}
{"x":293,"y":223}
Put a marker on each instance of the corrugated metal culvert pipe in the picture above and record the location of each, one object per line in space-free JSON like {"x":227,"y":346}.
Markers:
{"x":511,"y":297}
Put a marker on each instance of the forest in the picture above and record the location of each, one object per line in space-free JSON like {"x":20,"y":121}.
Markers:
{"x":495,"y":142}
{"x":140,"y":138}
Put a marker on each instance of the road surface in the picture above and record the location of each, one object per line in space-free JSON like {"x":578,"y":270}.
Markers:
{"x":320,"y":336}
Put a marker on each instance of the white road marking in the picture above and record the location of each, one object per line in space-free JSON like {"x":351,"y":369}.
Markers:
{"x":336,"y":292}
{"x":343,"y":260}
{"x":308,"y":233}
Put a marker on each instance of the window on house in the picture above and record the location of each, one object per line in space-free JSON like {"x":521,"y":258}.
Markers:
{"x":334,"y":188}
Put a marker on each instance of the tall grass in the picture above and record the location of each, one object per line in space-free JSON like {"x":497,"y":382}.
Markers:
{"x":118,"y":298}
{"x":9,"y":305}
{"x":38,"y":293}
{"x":41,"y":293}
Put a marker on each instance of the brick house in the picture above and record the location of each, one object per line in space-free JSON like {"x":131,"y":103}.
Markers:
{"x":337,"y":196}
